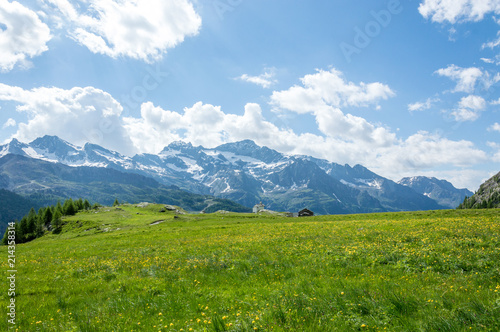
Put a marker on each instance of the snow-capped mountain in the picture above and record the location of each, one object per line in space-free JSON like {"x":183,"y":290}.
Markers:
{"x":54,"y":149}
{"x":246,"y":173}
{"x":441,"y":191}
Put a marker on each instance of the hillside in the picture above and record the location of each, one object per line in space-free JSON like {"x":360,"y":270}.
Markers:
{"x":12,"y":207}
{"x":487,"y":196}
{"x":46,"y":182}
{"x":441,"y":191}
{"x":135,"y":268}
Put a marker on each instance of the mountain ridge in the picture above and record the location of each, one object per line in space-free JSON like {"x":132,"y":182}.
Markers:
{"x":441,"y":191}
{"x":487,"y":196}
{"x":46,"y":182}
{"x":245,"y":173}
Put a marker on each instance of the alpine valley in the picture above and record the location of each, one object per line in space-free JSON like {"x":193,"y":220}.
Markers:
{"x":234,"y":176}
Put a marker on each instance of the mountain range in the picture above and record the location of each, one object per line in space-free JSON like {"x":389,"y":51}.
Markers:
{"x":442,"y":191}
{"x":242,"y":172}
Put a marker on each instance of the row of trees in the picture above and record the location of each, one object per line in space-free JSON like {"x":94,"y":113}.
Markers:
{"x":49,"y":218}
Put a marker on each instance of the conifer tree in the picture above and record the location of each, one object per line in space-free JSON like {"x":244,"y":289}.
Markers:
{"x":47,"y":217}
{"x":30,"y":232}
{"x":56,"y":222}
{"x":58,"y":207}
{"x":116,"y":203}
{"x":79,"y":204}
{"x":39,"y":226}
{"x":86,"y":205}
{"x":23,"y":229}
{"x":69,"y":208}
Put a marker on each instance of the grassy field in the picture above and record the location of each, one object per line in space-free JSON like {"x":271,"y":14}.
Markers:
{"x":114,"y":271}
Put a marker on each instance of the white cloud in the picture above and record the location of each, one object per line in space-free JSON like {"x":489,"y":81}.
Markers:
{"x":202,"y":124}
{"x":466,"y":78}
{"x":419,"y":106}
{"x":329,"y":88}
{"x":265,"y":80}
{"x":424,"y":150}
{"x":140,"y":29}
{"x":455,"y":11}
{"x":469,"y":108}
{"x":492,"y":44}
{"x":22,"y":36}
{"x":473,"y":102}
{"x":78,"y":115}
{"x":487,"y":60}
{"x":323,"y":93}
{"x":9,"y":123}
{"x":495,"y":146}
{"x":465,"y":114}
{"x":495,"y":127}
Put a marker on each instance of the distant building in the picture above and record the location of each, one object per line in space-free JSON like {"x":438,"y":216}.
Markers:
{"x":306,"y":213}
{"x":259,"y":207}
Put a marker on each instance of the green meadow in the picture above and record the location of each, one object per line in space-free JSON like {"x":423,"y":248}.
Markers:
{"x":139,"y":269}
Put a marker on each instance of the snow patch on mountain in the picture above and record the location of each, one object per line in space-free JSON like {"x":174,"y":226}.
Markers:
{"x":193,"y":167}
{"x":373,"y":183}
{"x":4,"y":151}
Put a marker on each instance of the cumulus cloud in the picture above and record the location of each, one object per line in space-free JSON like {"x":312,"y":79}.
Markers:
{"x":9,"y":123}
{"x":324,"y":93}
{"x":455,"y":11}
{"x":201,"y":124}
{"x":466,"y":78}
{"x":495,"y":127}
{"x":22,"y":35}
{"x":425,"y":150}
{"x":419,"y":106}
{"x":469,"y":108}
{"x":141,"y":29}
{"x":265,"y":80}
{"x":78,"y":115}
{"x":329,"y":88}
{"x":473,"y":102}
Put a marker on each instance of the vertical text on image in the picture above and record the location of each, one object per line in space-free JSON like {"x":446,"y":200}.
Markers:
{"x":11,"y":274}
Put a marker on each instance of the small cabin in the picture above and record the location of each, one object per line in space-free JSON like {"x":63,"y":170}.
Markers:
{"x":306,"y":213}
{"x":259,"y":207}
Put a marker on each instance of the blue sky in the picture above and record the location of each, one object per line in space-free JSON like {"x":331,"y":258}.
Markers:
{"x":402,"y":87}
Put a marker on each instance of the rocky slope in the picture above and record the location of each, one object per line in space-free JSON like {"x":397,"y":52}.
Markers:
{"x":487,"y":196}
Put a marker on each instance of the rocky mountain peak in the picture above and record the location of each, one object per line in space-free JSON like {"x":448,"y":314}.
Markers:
{"x":487,"y":196}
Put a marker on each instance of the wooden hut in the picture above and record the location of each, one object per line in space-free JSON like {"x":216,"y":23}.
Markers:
{"x":306,"y":213}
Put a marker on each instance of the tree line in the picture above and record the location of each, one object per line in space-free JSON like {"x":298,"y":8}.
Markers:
{"x":47,"y":219}
{"x":492,"y":201}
